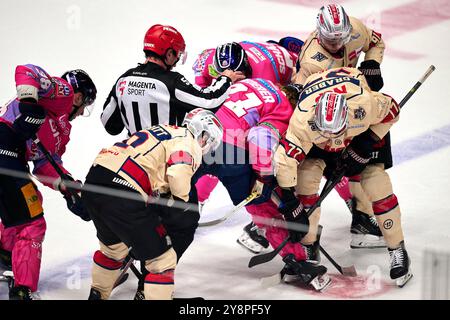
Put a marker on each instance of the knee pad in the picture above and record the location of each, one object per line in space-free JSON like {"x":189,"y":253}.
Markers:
{"x":166,"y":261}
{"x":116,"y":252}
{"x":106,"y":262}
{"x":159,"y":282}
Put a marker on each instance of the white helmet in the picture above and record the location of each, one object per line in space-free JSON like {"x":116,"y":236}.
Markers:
{"x":333,"y":26}
{"x":205,"y":127}
{"x":331,"y":113}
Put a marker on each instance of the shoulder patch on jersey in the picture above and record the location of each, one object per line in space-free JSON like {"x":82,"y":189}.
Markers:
{"x":319,"y":57}
{"x":360,"y":113}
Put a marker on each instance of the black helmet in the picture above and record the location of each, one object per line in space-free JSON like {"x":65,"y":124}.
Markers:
{"x":231,"y":56}
{"x":81,"y":82}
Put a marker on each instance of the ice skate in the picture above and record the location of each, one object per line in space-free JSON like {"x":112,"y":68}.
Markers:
{"x":253,"y":239}
{"x":306,"y":272}
{"x":399,"y":263}
{"x":365,"y":232}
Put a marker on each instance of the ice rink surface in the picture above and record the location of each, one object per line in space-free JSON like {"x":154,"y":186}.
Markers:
{"x":105,"y":38}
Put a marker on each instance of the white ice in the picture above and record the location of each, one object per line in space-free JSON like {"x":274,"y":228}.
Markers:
{"x":105,"y":38}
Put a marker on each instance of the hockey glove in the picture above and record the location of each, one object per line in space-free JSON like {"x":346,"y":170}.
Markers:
{"x":292,"y":210}
{"x":71,"y":193}
{"x":75,"y":205}
{"x":31,"y":118}
{"x":357,"y":155}
{"x":371,"y":70}
{"x":263,"y":186}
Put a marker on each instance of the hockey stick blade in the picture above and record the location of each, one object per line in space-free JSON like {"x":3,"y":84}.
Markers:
{"x":349,"y":271}
{"x":246,"y":201}
{"x":266,"y":257}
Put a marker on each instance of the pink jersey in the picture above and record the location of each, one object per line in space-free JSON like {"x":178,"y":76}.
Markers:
{"x":268,"y":61}
{"x":254,"y":117}
{"x":55,"y":95}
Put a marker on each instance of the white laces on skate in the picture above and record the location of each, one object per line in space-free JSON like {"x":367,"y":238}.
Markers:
{"x":374,"y":221}
{"x":396,"y":257}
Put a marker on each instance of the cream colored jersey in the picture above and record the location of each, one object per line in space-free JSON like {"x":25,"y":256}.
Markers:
{"x":366,"y":110}
{"x":314,"y":58}
{"x":163,"y":158}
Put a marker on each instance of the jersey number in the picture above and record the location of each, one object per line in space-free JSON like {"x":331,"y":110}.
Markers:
{"x":240,"y":107}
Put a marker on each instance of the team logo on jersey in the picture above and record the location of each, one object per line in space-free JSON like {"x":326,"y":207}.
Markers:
{"x":360,"y":113}
{"x":355,"y":36}
{"x":319,"y":57}
{"x":122,"y":85}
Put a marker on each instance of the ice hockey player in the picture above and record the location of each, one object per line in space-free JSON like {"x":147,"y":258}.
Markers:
{"x":337,"y":123}
{"x":152,"y":93}
{"x":254,"y":117}
{"x":266,"y":60}
{"x":338,"y":41}
{"x":43,"y":108}
{"x":273,"y":61}
{"x":159,"y":160}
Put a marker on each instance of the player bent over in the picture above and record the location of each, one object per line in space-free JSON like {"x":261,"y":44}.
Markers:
{"x":159,"y":160}
{"x":273,"y":61}
{"x":338,"y":113}
{"x":339,"y":41}
{"x":254,"y":117}
{"x":43,"y":107}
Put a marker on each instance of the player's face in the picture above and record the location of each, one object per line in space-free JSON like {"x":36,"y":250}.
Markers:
{"x":332,"y":46}
{"x":78,"y":105}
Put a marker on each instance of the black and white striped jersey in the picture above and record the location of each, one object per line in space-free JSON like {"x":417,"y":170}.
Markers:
{"x":149,"y":95}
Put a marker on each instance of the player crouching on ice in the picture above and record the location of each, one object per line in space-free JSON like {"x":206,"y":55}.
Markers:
{"x":43,"y":108}
{"x":254,"y":117}
{"x":160,"y":160}
{"x":337,"y":123}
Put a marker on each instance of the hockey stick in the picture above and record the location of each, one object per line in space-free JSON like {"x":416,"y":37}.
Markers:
{"x":417,"y":85}
{"x":242,"y":204}
{"x":263,"y":258}
{"x":64,"y":177}
{"x":123,"y":276}
{"x":266,"y":257}
{"x":349,"y":271}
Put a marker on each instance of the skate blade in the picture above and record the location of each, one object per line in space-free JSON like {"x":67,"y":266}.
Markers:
{"x":250,"y":245}
{"x":400,"y":282}
{"x":7,"y":276}
{"x":367,"y":241}
{"x":321,"y":283}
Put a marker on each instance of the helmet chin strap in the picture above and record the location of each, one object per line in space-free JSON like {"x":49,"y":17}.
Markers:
{"x":73,"y":112}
